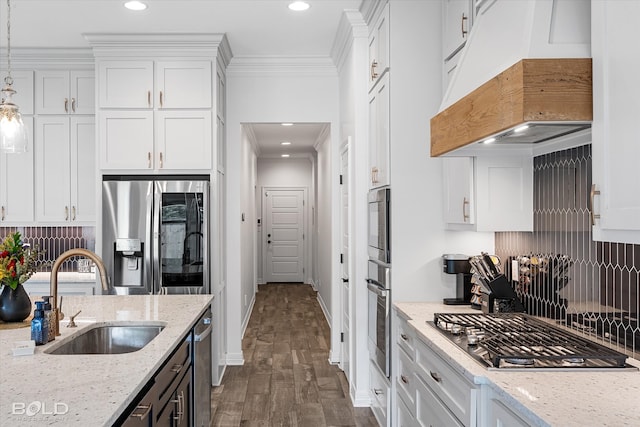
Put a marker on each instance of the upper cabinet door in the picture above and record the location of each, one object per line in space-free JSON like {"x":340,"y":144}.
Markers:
{"x":83,"y":89}
{"x":126,"y":84}
{"x":23,"y":85}
{"x":183,"y":84}
{"x":379,"y":47}
{"x":16,"y":184}
{"x":616,"y":135}
{"x":457,"y":23}
{"x":458,"y":190}
{"x":52,"y":92}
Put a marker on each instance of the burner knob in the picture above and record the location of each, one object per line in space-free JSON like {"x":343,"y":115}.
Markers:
{"x":456,"y":329}
{"x":472,"y":340}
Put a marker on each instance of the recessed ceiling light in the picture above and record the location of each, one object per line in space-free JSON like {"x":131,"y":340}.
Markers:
{"x":521,"y":128}
{"x":299,"y":6}
{"x":135,"y":5}
{"x":287,"y":124}
{"x":284,"y":155}
{"x":489,"y":140}
{"x":285,"y":143}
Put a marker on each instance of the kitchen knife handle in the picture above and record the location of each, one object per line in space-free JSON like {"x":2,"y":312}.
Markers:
{"x":593,"y":194}
{"x":465,"y":216}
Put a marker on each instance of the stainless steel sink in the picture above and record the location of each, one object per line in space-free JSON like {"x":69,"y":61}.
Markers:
{"x":109,"y":339}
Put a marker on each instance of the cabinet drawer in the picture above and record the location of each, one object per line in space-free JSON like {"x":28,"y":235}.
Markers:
{"x":454,"y":390}
{"x":405,"y":417}
{"x":406,"y":337}
{"x":379,"y":393}
{"x":405,"y":377}
{"x":500,"y":416}
{"x":172,"y":372}
{"x":430,"y":411}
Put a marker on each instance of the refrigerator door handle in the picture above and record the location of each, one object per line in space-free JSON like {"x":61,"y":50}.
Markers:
{"x":156,"y":250}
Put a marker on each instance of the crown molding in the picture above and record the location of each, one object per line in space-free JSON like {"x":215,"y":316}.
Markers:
{"x":372,"y":9}
{"x":253,"y":141}
{"x":34,"y":58}
{"x":280,"y":65}
{"x":110,"y":45}
{"x":322,"y":136}
{"x":351,"y":26}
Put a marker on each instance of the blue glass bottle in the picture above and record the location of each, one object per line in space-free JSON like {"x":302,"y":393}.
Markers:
{"x":39,"y":325}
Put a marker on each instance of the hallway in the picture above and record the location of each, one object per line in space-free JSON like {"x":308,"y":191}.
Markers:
{"x":286,"y":379}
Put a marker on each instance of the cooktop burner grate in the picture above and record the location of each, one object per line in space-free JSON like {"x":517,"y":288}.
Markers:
{"x":511,"y":340}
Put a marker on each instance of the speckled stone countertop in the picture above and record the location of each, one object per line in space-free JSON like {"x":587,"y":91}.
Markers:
{"x":584,"y":398}
{"x":90,"y":390}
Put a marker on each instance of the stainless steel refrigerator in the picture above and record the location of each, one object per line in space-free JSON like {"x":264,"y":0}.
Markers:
{"x":155,"y":234}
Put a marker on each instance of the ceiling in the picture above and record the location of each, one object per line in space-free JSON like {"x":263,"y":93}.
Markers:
{"x":254,"y":28}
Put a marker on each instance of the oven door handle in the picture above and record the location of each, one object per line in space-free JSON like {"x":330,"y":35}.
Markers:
{"x":377,"y":289}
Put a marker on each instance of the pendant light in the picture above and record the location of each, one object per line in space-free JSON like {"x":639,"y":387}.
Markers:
{"x":13,"y":133}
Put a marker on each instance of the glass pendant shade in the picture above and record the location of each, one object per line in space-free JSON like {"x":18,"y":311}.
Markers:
{"x":13,"y":132}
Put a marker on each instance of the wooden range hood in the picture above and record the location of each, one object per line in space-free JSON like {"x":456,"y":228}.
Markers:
{"x":553,"y":96}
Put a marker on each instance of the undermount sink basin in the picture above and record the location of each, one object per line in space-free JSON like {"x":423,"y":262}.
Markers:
{"x":109,"y":339}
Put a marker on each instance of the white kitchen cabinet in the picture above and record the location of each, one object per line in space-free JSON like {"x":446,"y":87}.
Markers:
{"x":379,"y":134}
{"x":430,"y":411}
{"x":16,"y":184}
{"x":488,"y":194}
{"x":174,"y":84}
{"x":65,"y":170}
{"x":379,"y":47}
{"x":182,"y":140}
{"x":494,"y":412}
{"x":380,"y":392}
{"x":64,"y":92}
{"x":615,"y":199}
{"x":23,"y":85}
{"x":155,"y":115}
{"x":457,"y":24}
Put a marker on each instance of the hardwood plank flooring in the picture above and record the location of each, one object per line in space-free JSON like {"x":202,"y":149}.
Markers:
{"x":287,"y":379}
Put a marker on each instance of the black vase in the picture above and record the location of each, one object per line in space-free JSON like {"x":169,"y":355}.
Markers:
{"x":15,"y":305}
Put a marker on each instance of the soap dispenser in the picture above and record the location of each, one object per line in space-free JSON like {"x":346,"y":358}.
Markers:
{"x":39,"y":325}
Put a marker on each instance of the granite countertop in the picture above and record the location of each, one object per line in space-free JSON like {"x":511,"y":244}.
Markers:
{"x":584,"y":398}
{"x":90,"y":389}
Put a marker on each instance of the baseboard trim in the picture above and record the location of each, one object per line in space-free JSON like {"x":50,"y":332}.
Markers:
{"x":360,"y":398}
{"x":325,"y":311}
{"x":235,"y":359}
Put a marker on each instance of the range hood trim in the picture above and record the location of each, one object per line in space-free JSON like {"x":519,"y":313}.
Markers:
{"x":553,"y":90}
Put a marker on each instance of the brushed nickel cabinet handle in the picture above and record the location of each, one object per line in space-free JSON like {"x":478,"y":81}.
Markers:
{"x":161,"y":101}
{"x":437,"y":378}
{"x":143,"y":415}
{"x":73,"y":213}
{"x":374,"y":65}
{"x":377,"y":391}
{"x":66,"y":213}
{"x":465,"y":216}
{"x":161,"y":160}
{"x":149,"y":159}
{"x":404,"y":337}
{"x":73,"y":105}
{"x":404,"y":379}
{"x":462,"y":21}
{"x":176,"y":368}
{"x":593,"y":194}
{"x":374,"y":175}
{"x":149,"y":98}
{"x":66,"y":105}
{"x":3,"y":213}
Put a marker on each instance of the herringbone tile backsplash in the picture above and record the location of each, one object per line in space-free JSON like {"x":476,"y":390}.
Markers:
{"x":598,"y":294}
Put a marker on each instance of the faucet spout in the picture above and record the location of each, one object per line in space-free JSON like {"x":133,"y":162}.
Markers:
{"x":54,"y":279}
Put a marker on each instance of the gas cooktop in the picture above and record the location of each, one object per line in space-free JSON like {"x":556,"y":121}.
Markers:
{"x":519,"y":341}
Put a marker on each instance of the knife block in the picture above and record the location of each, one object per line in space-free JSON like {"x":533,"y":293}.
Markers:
{"x":502,"y":297}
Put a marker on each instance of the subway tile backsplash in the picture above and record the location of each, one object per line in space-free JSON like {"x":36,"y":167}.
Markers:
{"x":53,"y":241}
{"x":601,"y":296}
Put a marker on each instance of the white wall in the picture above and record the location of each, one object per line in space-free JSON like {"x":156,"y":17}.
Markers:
{"x":291,"y":172}
{"x":418,"y":235}
{"x":263,"y":91}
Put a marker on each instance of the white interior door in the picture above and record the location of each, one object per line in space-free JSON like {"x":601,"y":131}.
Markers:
{"x":284,"y":235}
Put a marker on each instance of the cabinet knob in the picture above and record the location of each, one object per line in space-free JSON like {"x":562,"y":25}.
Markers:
{"x":374,"y":73}
{"x":462,"y":26}
{"x":66,"y":105}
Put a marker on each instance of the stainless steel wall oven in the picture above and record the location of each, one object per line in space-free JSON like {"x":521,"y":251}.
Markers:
{"x":380,"y":224}
{"x":379,"y":325}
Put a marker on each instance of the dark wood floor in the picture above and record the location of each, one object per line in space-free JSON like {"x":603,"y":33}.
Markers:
{"x":286,"y":379}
